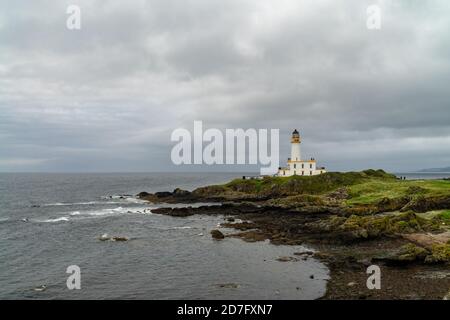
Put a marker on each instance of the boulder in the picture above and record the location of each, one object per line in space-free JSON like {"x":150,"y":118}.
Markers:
{"x":216,"y":234}
{"x":119,"y":239}
{"x":286,"y":259}
{"x":180,"y":193}
{"x":104,"y":237}
{"x":143,"y":194}
{"x":163,"y":194}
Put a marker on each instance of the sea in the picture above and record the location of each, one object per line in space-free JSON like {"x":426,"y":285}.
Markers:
{"x":50,"y":222}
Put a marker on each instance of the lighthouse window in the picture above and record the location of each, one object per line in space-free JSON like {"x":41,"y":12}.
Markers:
{"x":310,"y":165}
{"x":303,"y":166}
{"x":310,"y":173}
{"x":295,"y":166}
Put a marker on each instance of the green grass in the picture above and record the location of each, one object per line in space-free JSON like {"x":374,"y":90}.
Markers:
{"x":319,"y":184}
{"x":445,"y":215}
{"x":375,"y":190}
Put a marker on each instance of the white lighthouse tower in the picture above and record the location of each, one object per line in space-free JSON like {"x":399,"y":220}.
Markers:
{"x":295,"y":146}
{"x":297,"y":166}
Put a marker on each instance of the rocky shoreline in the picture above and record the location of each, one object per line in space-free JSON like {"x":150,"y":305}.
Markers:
{"x":398,"y":233}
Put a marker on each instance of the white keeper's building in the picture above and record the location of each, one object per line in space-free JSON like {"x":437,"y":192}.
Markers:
{"x":295,"y":164}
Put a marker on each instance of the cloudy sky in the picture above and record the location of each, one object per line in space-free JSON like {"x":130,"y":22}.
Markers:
{"x":107,"y":97}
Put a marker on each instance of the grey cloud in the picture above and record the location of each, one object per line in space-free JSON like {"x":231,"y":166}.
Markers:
{"x":108,"y":96}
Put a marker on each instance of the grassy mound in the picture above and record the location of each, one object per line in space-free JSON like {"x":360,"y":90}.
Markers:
{"x":320,"y":184}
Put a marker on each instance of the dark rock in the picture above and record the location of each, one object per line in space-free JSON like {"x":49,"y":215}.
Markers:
{"x":180,"y":193}
{"x":424,"y":204}
{"x":143,"y":194}
{"x":406,"y":254}
{"x":228,"y":285}
{"x":309,"y":253}
{"x":163,"y":194}
{"x":119,"y":239}
{"x":175,"y":212}
{"x":216,"y":234}
{"x":286,"y":259}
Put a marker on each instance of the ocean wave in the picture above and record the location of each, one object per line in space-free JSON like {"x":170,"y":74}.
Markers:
{"x":62,"y":204}
{"x":54,"y":220}
{"x":122,"y":200}
{"x":3,"y":220}
{"x":113,"y":211}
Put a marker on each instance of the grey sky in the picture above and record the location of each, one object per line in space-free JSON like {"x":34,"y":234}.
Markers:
{"x":107,"y":97}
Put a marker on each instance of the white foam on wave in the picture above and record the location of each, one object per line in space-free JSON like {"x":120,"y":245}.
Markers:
{"x":117,"y":200}
{"x":88,"y":203}
{"x":55,"y":220}
{"x":113,"y":211}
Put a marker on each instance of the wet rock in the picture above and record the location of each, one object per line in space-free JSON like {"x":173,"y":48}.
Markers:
{"x":228,"y":285}
{"x":104,"y":237}
{"x":119,"y":239}
{"x":309,"y":253}
{"x":163,"y":194}
{"x":251,"y":236}
{"x":175,"y":212}
{"x":41,"y":288}
{"x":286,"y":259}
{"x":143,"y":194}
{"x":408,"y":253}
{"x":216,"y":234}
{"x":240,"y":226}
{"x":180,"y":193}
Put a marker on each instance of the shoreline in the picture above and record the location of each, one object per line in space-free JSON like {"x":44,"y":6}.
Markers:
{"x":411,"y":248}
{"x":347,"y":264}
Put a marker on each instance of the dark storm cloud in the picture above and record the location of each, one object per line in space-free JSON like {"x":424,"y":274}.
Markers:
{"x":108,"y":96}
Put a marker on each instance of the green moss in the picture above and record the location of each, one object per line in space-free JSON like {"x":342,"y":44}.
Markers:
{"x":376,"y":226}
{"x":411,"y":252}
{"x":440,"y":253}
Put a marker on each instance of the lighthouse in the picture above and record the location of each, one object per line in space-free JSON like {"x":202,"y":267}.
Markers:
{"x":295,"y":146}
{"x":297,"y":166}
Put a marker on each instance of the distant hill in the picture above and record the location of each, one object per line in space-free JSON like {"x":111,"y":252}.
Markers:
{"x":446,"y":169}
